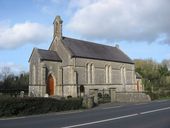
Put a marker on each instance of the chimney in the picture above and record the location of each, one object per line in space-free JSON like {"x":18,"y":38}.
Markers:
{"x":57,"y":27}
{"x":117,"y":46}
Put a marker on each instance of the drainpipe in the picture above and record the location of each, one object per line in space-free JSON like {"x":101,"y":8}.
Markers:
{"x":62,"y":82}
{"x":76,"y":77}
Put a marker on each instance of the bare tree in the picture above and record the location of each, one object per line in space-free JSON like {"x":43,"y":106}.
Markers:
{"x":5,"y":72}
{"x":1,"y":77}
{"x":167,"y":63}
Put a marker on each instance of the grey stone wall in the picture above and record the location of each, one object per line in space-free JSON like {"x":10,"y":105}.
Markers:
{"x":35,"y":75}
{"x":63,"y":52}
{"x":132,"y":97}
{"x":116,"y":76}
{"x":100,"y":80}
{"x":39,"y":71}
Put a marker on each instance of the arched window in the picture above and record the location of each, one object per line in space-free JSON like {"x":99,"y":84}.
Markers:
{"x":108,"y":74}
{"x":90,"y":73}
{"x":123,"y":75}
{"x":33,"y":74}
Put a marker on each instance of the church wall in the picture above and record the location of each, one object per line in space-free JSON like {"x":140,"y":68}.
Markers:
{"x":33,"y":64}
{"x":62,"y":52}
{"x":35,"y":75}
{"x":68,"y":70}
{"x":116,"y":76}
{"x":99,"y":75}
{"x":100,"y":82}
{"x":129,"y":77}
{"x":69,"y":81}
{"x":39,"y":70}
{"x":81,"y":74}
{"x":68,"y":75}
{"x":69,"y":78}
{"x":53,"y":68}
{"x":67,"y":67}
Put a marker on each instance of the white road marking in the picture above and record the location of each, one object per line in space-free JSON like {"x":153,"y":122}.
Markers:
{"x":112,"y":107}
{"x":100,"y":121}
{"x":116,"y":118}
{"x":159,"y":101}
{"x":156,"y":110}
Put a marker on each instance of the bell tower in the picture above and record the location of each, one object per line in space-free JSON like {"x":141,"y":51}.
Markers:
{"x":57,"y":27}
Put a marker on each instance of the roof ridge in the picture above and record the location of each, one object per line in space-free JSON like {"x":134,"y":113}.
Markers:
{"x":90,"y":42}
{"x":42,"y":49}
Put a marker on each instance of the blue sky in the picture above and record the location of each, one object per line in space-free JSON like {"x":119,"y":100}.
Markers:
{"x":141,"y":28}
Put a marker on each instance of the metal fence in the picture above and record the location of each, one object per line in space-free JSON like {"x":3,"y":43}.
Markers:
{"x":104,"y":96}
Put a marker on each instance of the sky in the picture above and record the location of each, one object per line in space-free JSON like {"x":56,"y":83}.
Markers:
{"x":140,"y":28}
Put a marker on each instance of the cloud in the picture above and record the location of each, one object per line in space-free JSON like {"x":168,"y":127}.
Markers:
{"x":80,"y":4}
{"x":23,"y":33}
{"x":13,"y":67}
{"x":130,"y":20}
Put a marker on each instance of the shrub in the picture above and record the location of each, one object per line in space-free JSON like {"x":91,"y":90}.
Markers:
{"x":100,"y":95}
{"x":68,"y":97}
{"x":30,"y":106}
{"x":153,"y":96}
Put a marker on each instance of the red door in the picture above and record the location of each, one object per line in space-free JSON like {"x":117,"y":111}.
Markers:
{"x":50,"y":87}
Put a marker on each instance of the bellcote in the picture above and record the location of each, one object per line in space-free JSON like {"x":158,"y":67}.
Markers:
{"x":57,"y":27}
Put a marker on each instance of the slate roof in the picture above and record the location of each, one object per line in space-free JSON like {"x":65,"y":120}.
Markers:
{"x":48,"y":55}
{"x":85,"y":49}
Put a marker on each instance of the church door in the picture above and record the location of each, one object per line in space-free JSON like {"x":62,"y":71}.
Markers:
{"x":50,"y":85}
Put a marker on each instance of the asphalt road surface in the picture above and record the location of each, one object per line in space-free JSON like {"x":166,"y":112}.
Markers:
{"x":147,"y":115}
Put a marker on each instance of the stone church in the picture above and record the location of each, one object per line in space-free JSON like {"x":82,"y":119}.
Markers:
{"x":72,"y":67}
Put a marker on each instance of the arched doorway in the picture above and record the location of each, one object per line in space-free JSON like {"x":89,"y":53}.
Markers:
{"x":50,"y":85}
{"x":82,"y":90}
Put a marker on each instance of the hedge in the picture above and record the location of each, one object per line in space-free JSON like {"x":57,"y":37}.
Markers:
{"x":159,"y":95}
{"x":30,"y":106}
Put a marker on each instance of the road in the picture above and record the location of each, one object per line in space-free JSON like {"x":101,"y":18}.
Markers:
{"x":147,"y":115}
